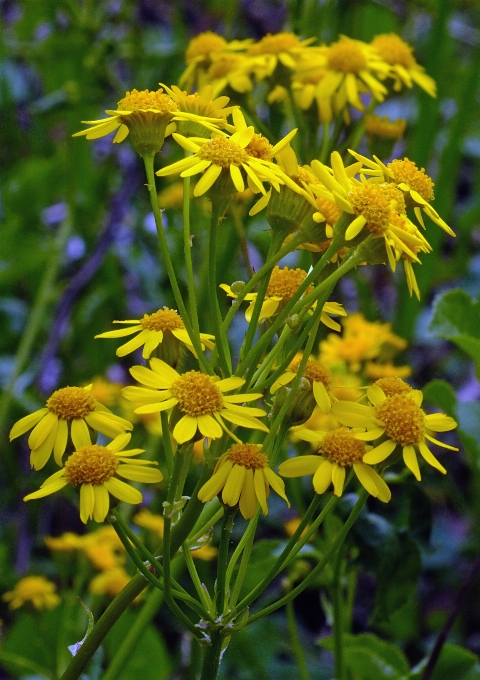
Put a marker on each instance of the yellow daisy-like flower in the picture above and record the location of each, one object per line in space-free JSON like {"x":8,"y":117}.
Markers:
{"x":164,"y":326}
{"x":282,"y":286}
{"x":199,"y":103}
{"x":318,"y":376}
{"x":415,"y":184}
{"x":396,"y":414}
{"x":110,"y":582}
{"x":404,"y":68}
{"x":35,"y":590}
{"x":103,"y":547}
{"x":69,"y":415}
{"x":146,"y":116}
{"x":284,"y":48}
{"x":231,"y":70}
{"x":207,"y":552}
{"x":148,"y":520}
{"x":338,"y":74}
{"x":212,"y":157}
{"x":199,"y":398}
{"x":242,"y":476}
{"x":94,"y":469}
{"x":382,"y":126}
{"x":338,"y":449}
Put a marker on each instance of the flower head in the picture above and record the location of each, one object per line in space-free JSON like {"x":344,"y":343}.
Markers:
{"x":103,"y":547}
{"x":68,"y":416}
{"x":318,"y":376}
{"x":145,"y":116}
{"x":199,"y":103}
{"x":404,"y":68}
{"x":282,"y":286}
{"x":199,"y":400}
{"x":95,"y":468}
{"x":110,"y":582}
{"x":160,"y":333}
{"x":35,"y":590}
{"x":395,"y":414}
{"x":242,"y":476}
{"x":382,"y":126}
{"x":338,"y":449}
{"x":281,"y":48}
{"x":148,"y":520}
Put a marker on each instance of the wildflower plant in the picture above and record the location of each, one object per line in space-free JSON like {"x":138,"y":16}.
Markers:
{"x":272,"y":401}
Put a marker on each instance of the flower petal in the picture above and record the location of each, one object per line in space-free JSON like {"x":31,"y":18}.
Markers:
{"x":156,"y":408}
{"x":228,"y":384}
{"x":185,"y":429}
{"x":122,"y":491}
{"x":46,"y":490}
{"x":323,"y":476}
{"x":216,"y":482}
{"x":151,"y":378}
{"x":26,"y":423}
{"x":410,"y":459}
{"x":60,"y":441}
{"x":40,"y":455}
{"x":321,"y":396}
{"x":79,"y":432}
{"x":277,"y":484}
{"x":380,"y":452}
{"x":120,"y":332}
{"x":207,"y":180}
{"x":209,"y":427}
{"x":233,"y":486}
{"x":138,"y":473}
{"x":101,"y":504}
{"x":87,"y":502}
{"x":300,"y":466}
{"x":248,"y":499}
{"x":42,"y":429}
{"x":430,"y":458}
{"x":338,"y":479}
{"x":243,"y":421}
{"x":259,"y":484}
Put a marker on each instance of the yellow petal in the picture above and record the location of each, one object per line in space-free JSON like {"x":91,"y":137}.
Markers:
{"x":379,"y":453}
{"x":60,"y":441}
{"x":40,"y":455}
{"x":153,"y":341}
{"x":207,"y":180}
{"x":123,"y":491}
{"x":119,"y":442}
{"x":277,"y":484}
{"x":323,"y":477}
{"x":46,"y":490}
{"x":101,"y":503}
{"x":243,"y":421}
{"x":228,"y":384}
{"x":141,"y":394}
{"x":26,"y":423}
{"x":233,"y":486}
{"x":438,"y":422}
{"x":237,"y":178}
{"x":300,"y":466}
{"x":209,"y":427}
{"x":248,"y":499}
{"x":430,"y":458}
{"x":321,"y":396}
{"x":156,"y":408}
{"x":138,"y":473}
{"x":375,"y":394}
{"x":338,"y":479}
{"x":87,"y":502}
{"x":185,"y":429}
{"x":120,"y":332}
{"x":259,"y":484}
{"x":42,"y":429}
{"x":79,"y":433}
{"x":410,"y":459}
{"x":151,"y":378}
{"x":216,"y":482}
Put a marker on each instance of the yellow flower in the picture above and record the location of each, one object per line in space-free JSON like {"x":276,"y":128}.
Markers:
{"x":94,"y":467}
{"x":146,"y":116}
{"x":242,"y":476}
{"x":35,"y":590}
{"x":395,"y":412}
{"x":374,"y":371}
{"x":171,"y":196}
{"x":148,"y":520}
{"x":200,"y":104}
{"x":282,"y":286}
{"x":67,"y":542}
{"x":105,"y":391}
{"x":338,"y":449}
{"x":362,"y":340}
{"x":103,"y":548}
{"x":69,"y":415}
{"x":340,"y":73}
{"x":232,"y":70}
{"x":382,"y":126}
{"x":164,"y":326}
{"x":317,"y":374}
{"x":199,"y":398}
{"x":110,"y":582}
{"x":206,"y":552}
{"x":222,"y":154}
{"x":415,"y":184}
{"x":404,"y":68}
{"x":292,"y":525}
{"x":285,"y":48}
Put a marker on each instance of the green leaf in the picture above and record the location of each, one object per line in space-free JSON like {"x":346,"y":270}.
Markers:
{"x":456,"y":317}
{"x":149,"y":659}
{"x":369,"y":658}
{"x":454,"y":663}
{"x":30,"y":644}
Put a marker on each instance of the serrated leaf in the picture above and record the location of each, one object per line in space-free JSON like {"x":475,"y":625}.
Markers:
{"x":369,"y":658}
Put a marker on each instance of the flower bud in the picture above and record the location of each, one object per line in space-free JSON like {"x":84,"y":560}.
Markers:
{"x":237,"y":287}
{"x":294,"y":323}
{"x":301,"y":406}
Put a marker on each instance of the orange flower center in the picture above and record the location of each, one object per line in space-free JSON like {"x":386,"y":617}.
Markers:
{"x":374,"y":203}
{"x":203,"y":45}
{"x":223,"y":152}
{"x":341,"y":447}
{"x":71,"y":402}
{"x":314,"y":372}
{"x":329,"y":210}
{"x":163,"y":320}
{"x":259,"y":147}
{"x":394,"y":50}
{"x":393,"y":385}
{"x":382,"y":126}
{"x":284,"y":282}
{"x":404,"y":421}
{"x":91,"y":464}
{"x":274,"y":44}
{"x":248,"y":455}
{"x":406,"y":171}
{"x":135,"y":100}
{"x":197,"y":394}
{"x":346,"y":56}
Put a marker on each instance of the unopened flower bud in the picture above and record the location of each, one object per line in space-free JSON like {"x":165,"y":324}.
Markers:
{"x":237,"y":287}
{"x":294,"y":323}
{"x":301,"y":406}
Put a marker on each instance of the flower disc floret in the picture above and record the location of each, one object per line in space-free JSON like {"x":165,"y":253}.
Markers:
{"x":275,"y":44}
{"x":259,"y":147}
{"x":223,"y":152}
{"x":71,"y":402}
{"x":146,"y":100}
{"x":370,"y":201}
{"x":285,"y":282}
{"x":404,"y":421}
{"x":329,"y":210}
{"x":314,"y":371}
{"x":163,"y":320}
{"x":248,"y":455}
{"x":346,"y":56}
{"x":392,"y":385}
{"x":417,"y":180}
{"x":197,"y":394}
{"x":394,"y":50}
{"x":90,"y":465}
{"x":341,"y":447}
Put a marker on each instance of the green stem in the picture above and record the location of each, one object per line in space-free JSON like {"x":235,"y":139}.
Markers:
{"x":325,"y":143}
{"x":275,"y":244}
{"x":221,"y":342}
{"x":296,"y":643}
{"x":187,"y":252}
{"x":37,"y":315}
{"x":263,"y":370}
{"x":150,"y":608}
{"x":167,"y":442}
{"x":338,"y":616}
{"x":221,"y":583}
{"x":192,"y":570}
{"x":211,"y":660}
{"x":167,"y":262}
{"x":206,"y":523}
{"x":242,"y":238}
{"x":358,"y":507}
{"x":249,"y":536}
